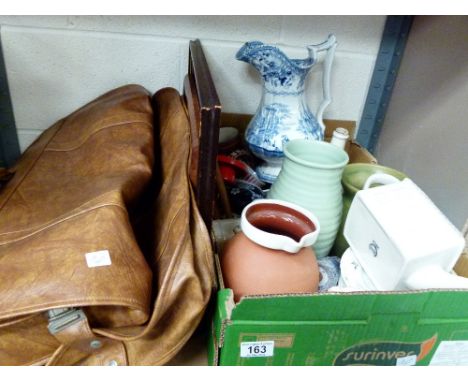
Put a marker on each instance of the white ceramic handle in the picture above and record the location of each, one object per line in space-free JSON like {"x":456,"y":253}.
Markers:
{"x":435,"y":277}
{"x":329,"y":45}
{"x":381,"y":179}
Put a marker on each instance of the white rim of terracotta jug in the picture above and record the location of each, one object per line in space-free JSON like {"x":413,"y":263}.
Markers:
{"x":329,"y":146}
{"x":271,"y":240}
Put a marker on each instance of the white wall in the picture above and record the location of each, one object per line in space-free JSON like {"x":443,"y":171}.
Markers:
{"x":55,"y":64}
{"x":425,"y":132}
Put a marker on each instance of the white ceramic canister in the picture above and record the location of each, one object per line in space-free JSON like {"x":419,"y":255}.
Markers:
{"x":401,"y":239}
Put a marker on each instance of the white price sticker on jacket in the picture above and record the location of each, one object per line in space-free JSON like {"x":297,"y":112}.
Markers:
{"x":98,"y":259}
{"x":257,"y":349}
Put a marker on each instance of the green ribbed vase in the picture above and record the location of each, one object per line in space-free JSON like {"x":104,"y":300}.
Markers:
{"x":311,"y":177}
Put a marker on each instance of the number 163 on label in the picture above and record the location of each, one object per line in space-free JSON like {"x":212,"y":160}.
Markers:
{"x":257,"y":349}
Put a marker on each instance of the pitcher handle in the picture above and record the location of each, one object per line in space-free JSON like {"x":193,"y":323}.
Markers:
{"x":329,"y":46}
{"x":381,"y":179}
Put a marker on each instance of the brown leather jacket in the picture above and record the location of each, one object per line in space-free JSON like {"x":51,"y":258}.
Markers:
{"x":104,"y":258}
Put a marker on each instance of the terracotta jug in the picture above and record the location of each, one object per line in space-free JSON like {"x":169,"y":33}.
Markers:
{"x":273,"y":254}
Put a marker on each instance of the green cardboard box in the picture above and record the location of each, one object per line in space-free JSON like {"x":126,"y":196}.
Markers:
{"x":428,"y":327}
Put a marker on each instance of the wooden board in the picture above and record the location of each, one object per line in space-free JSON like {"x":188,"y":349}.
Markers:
{"x":204,"y":110}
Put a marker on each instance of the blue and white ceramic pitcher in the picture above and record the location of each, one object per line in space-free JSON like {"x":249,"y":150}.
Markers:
{"x":283,"y":114}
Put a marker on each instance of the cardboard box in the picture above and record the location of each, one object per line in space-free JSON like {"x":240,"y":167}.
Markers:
{"x":369,"y":328}
{"x":357,"y":153}
{"x":427,"y":327}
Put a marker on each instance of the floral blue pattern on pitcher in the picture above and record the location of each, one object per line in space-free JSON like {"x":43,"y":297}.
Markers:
{"x":283,"y":114}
